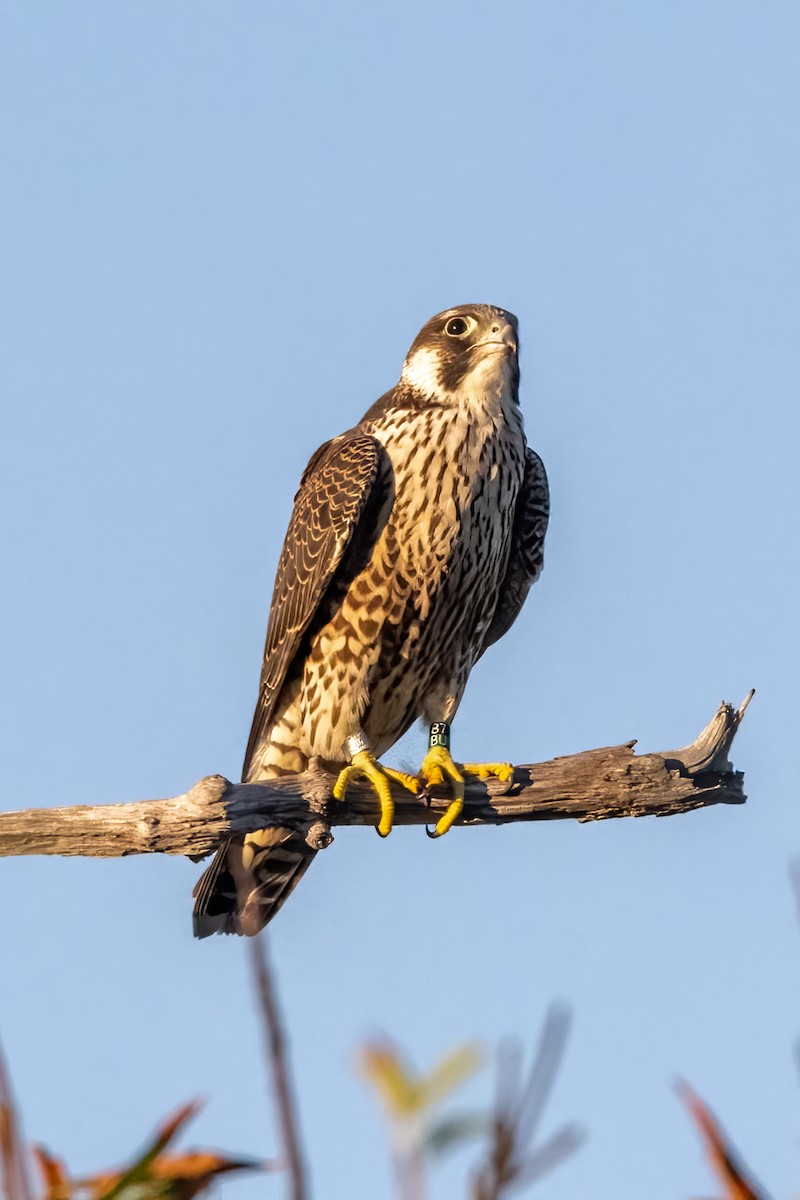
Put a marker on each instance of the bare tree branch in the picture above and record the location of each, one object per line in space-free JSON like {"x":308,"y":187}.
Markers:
{"x":593,"y":785}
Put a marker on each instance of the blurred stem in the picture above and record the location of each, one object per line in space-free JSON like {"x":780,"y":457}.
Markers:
{"x":278,"y":1067}
{"x":13,"y":1164}
{"x":409,"y":1167}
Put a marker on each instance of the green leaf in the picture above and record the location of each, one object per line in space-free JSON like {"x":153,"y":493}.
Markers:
{"x":451,"y":1131}
{"x":136,"y":1175}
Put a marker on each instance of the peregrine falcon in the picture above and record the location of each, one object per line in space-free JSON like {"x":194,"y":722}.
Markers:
{"x":414,"y":540}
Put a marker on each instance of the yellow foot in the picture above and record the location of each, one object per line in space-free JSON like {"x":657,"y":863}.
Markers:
{"x":364,"y":763}
{"x":502,"y":771}
{"x":438,"y":766}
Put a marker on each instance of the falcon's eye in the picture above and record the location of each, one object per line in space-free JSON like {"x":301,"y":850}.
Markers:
{"x":456,"y":327}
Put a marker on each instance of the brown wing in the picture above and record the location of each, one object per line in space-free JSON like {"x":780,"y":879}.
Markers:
{"x":527,"y":548}
{"x":336,"y":520}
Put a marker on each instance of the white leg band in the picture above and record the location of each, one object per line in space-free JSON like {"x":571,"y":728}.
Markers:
{"x":354,"y":745}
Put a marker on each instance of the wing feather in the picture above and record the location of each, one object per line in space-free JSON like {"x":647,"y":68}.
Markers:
{"x":338,"y":514}
{"x":527,"y":548}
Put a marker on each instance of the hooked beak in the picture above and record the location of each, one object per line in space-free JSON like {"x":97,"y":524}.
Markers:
{"x":504,"y":337}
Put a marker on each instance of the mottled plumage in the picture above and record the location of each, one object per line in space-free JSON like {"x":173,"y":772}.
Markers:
{"x":414,"y":540}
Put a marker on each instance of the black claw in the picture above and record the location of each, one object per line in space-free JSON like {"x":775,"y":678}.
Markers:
{"x":427,"y":796}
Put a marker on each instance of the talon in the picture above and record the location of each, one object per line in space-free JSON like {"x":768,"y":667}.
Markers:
{"x":436,"y":766}
{"x":445,"y":822}
{"x":364,"y":763}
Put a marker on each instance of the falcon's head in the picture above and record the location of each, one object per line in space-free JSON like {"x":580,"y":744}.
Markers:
{"x":465,"y":350}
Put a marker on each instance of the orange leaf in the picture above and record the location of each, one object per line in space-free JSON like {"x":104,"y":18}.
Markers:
{"x":56,"y":1180}
{"x":382,"y":1064}
{"x":170,"y":1126}
{"x":723,"y":1157}
{"x":13,"y":1165}
{"x":168,"y":1176}
{"x":180,"y":1176}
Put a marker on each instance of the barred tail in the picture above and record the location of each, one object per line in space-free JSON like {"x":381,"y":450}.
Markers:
{"x":250,"y":878}
{"x":231,"y":897}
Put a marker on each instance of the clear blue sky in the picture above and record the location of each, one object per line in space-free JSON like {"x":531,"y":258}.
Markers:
{"x":222,"y":225}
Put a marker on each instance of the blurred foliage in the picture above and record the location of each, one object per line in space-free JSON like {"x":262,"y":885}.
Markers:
{"x":405,"y":1095}
{"x":153,"y":1174}
{"x":411,"y":1101}
{"x":723,"y":1157}
{"x":512,"y":1162}
{"x":419,"y":1134}
{"x":13,"y":1160}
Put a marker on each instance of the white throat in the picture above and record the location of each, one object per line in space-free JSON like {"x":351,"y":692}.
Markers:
{"x":486,"y":389}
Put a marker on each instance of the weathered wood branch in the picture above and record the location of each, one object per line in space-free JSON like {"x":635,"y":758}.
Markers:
{"x":593,"y":785}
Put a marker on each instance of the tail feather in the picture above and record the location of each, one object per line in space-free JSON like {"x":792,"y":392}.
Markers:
{"x":251,"y":877}
{"x":215,"y":898}
{"x":233,"y":898}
